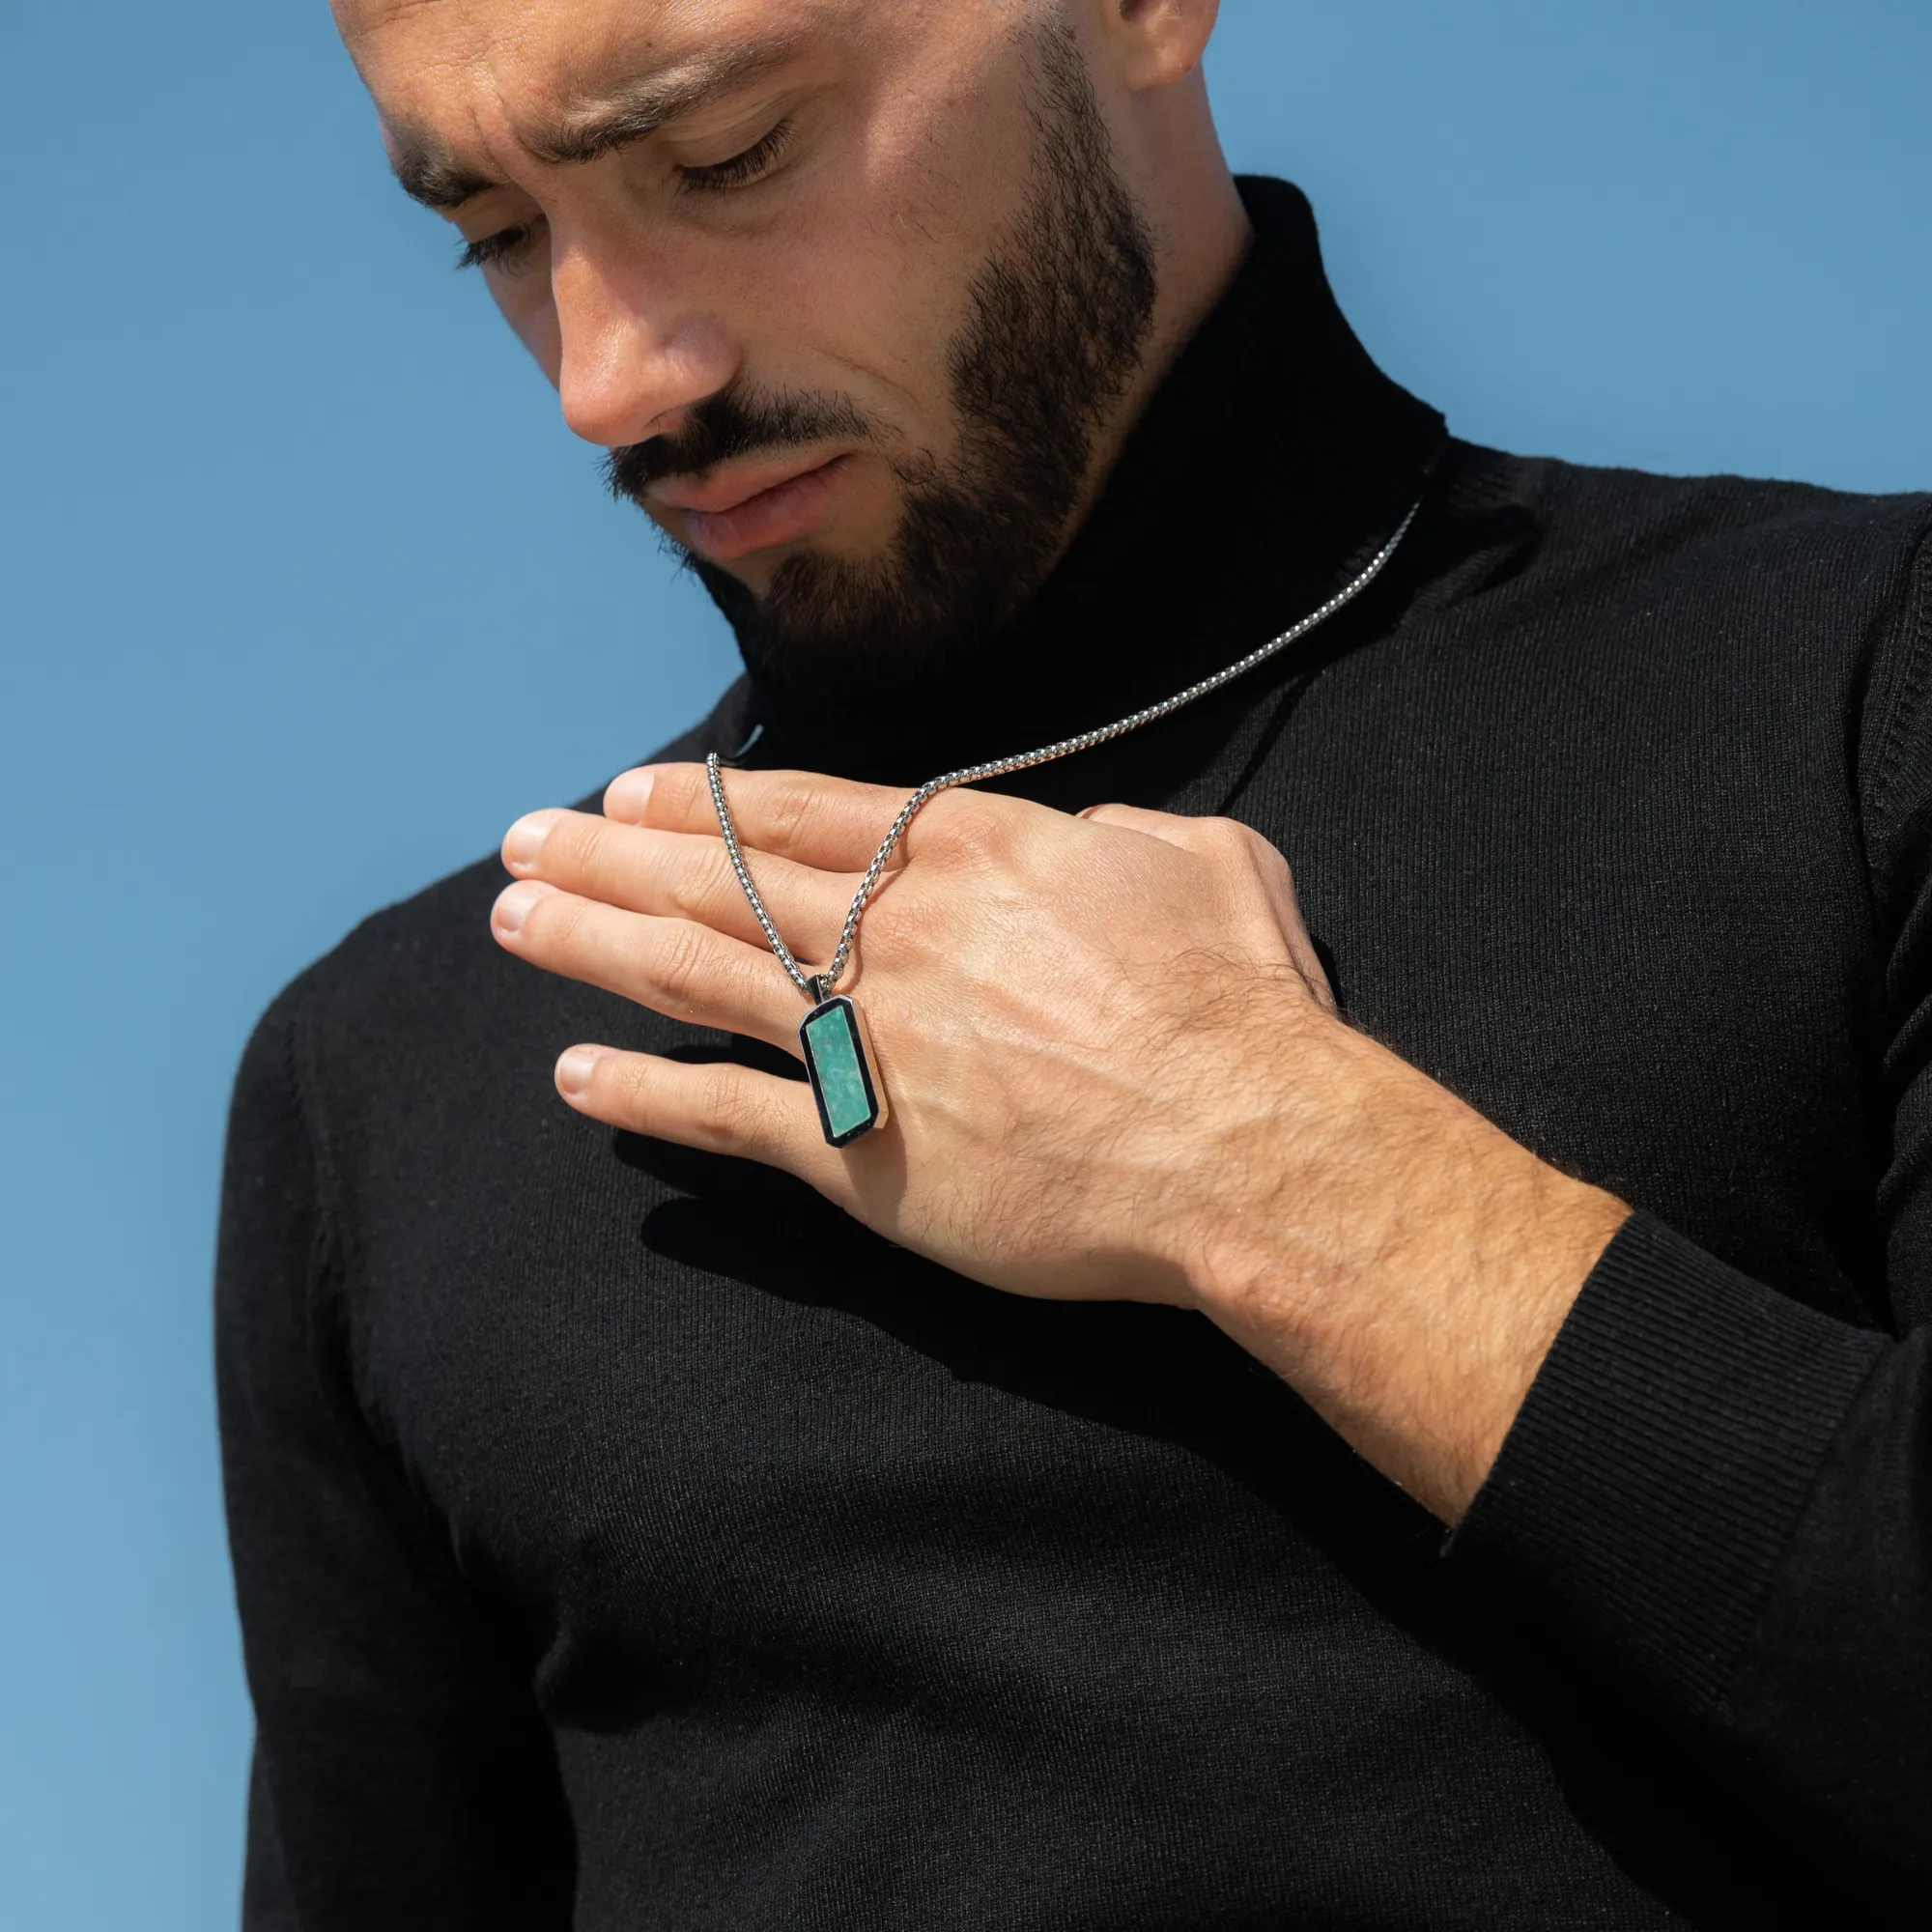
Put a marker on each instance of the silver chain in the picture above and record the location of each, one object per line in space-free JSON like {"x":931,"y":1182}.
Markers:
{"x":816,"y":988}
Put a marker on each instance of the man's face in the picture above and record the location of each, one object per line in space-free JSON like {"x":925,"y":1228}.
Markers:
{"x":850,"y":288}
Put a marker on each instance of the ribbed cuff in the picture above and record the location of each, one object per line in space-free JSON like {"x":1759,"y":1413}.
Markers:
{"x":1667,"y":1448}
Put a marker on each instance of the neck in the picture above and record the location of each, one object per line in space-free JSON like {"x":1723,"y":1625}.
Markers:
{"x":1266,"y":461}
{"x":1201,"y":235}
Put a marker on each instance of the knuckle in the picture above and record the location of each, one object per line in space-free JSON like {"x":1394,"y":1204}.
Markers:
{"x":555,"y":918}
{"x":690,"y":881}
{"x":1235,"y":843}
{"x":793,"y":811}
{"x":735,"y":1114}
{"x":963,"y":825}
{"x":630,"y":1078}
{"x":677,"y":791}
{"x":908,"y":925}
{"x":683,"y":964}
{"x":586,"y":842}
{"x":739,"y":976}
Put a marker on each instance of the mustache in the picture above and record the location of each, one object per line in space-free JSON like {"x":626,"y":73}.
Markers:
{"x":735,"y":422}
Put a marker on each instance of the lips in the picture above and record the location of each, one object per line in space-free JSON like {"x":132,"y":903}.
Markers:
{"x":754,"y":508}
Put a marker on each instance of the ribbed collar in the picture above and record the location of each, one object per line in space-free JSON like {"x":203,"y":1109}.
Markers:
{"x":1271,"y":463}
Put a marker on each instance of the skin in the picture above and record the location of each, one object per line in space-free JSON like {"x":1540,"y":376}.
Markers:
{"x":1164,"y":1105}
{"x":645,"y":287}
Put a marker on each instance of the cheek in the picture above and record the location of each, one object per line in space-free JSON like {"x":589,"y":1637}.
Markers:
{"x":526,"y":304}
{"x":868,"y":286}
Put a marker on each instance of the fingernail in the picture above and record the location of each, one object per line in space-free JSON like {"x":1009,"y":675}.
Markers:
{"x":525,"y":840}
{"x":628,"y":796}
{"x":514,"y":904}
{"x":575,"y":1070}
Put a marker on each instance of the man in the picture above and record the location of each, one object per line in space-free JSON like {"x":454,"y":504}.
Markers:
{"x":1032,"y":1513}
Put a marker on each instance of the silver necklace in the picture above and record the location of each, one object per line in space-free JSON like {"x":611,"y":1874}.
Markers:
{"x":851,"y":1101}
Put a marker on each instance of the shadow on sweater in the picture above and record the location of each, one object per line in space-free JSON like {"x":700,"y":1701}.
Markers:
{"x":1170,"y":1376}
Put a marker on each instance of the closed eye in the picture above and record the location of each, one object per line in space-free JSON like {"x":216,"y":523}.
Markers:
{"x":740,"y":170}
{"x":508,"y":249}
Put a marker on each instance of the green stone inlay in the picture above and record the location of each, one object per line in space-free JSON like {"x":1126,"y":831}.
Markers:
{"x":832,"y":1048}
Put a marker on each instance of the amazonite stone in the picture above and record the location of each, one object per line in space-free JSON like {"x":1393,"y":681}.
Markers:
{"x":836,"y":1062}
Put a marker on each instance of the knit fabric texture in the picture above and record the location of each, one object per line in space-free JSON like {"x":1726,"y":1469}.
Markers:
{"x":626,"y":1538}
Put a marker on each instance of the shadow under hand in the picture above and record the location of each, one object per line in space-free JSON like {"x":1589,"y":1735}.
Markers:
{"x":1163,"y":1373}
{"x":1170,"y":1376}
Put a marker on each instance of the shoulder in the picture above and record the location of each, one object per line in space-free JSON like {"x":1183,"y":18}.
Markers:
{"x":1741,"y":595}
{"x":1778,"y":625}
{"x":1828,"y":551}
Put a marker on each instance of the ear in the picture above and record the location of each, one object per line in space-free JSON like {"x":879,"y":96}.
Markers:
{"x":1157,"y":42}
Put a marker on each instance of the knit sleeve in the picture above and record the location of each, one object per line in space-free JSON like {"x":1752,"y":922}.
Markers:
{"x":1723,"y":1499}
{"x":403,"y":1777}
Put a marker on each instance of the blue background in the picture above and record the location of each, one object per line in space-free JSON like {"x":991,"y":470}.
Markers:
{"x":304,"y":593}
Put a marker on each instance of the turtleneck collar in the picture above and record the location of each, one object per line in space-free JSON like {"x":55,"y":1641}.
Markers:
{"x":1271,"y":463}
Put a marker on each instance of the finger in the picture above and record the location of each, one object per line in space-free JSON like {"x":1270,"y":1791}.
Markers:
{"x":720,"y":1107}
{"x":1170,"y":827}
{"x":676,"y":967}
{"x":679,"y":876}
{"x":1223,"y":841}
{"x":829,"y":823}
{"x":1228,"y":841}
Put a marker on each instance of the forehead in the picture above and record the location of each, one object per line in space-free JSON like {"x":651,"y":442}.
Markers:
{"x":410,"y":45}
{"x":469,"y":82}
{"x":462,"y":85}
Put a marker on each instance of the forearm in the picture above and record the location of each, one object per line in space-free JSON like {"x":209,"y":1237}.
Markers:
{"x":1398,"y":1260}
{"x":1714,"y":1495}
{"x":1403,"y":1263}
{"x":1718,"y":1498}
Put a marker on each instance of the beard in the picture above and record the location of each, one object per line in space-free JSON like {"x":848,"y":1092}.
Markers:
{"x":1056,"y":323}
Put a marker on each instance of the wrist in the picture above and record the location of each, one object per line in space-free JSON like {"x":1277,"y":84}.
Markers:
{"x":1398,"y":1260}
{"x":1291,"y":1141}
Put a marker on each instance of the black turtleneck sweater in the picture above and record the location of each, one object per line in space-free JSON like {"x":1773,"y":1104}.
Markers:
{"x":625,"y":1539}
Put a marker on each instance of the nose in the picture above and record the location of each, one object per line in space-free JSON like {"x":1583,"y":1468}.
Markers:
{"x":633,"y":350}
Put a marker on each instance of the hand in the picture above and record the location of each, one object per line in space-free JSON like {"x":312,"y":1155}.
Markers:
{"x":1063,"y":1011}
{"x":1115,"y":1071}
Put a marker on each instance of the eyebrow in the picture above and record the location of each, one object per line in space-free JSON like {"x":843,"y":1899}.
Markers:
{"x":429,"y":173}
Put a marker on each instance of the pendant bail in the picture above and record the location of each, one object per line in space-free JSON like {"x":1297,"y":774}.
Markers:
{"x":815,"y":990}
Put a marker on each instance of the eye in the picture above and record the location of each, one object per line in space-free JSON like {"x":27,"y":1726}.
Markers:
{"x":740,"y":170}
{"x":507,"y":250}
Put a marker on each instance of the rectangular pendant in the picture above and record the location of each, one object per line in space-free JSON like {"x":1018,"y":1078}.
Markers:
{"x":850,"y":1101}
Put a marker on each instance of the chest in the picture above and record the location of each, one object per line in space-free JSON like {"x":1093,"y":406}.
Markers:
{"x":686,"y":1404}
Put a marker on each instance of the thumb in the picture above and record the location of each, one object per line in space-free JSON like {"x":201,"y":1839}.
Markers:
{"x":1225,"y":841}
{"x":1167,"y":826}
